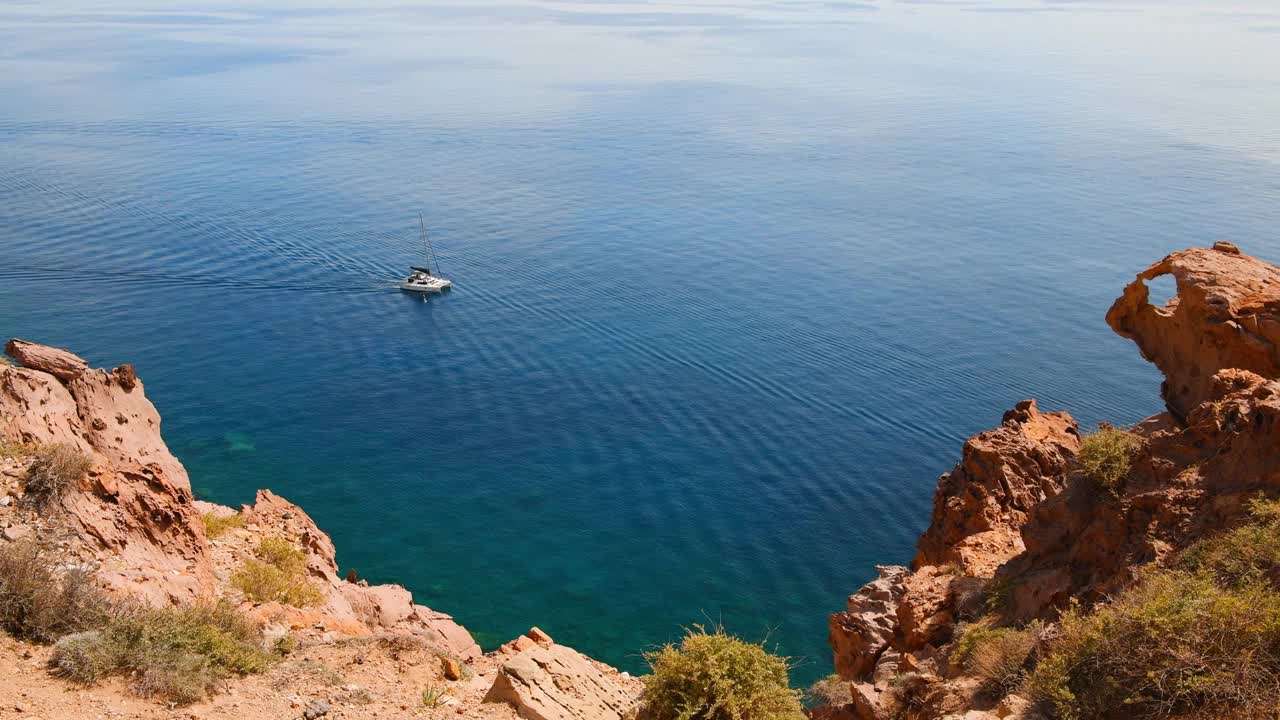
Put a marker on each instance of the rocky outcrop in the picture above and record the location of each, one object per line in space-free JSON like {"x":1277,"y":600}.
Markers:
{"x":554,"y":682}
{"x":1014,"y":518}
{"x":346,"y":608}
{"x":1187,"y":482}
{"x":135,"y":509}
{"x":133,"y":517}
{"x":867,"y":626}
{"x":980,"y":506}
{"x":903,"y":616}
{"x":1226,"y":315}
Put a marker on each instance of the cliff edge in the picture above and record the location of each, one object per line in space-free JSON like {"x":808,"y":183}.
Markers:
{"x":131,"y":520}
{"x":1020,"y":533}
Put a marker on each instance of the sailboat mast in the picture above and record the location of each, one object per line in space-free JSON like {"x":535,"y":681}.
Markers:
{"x":426,"y":239}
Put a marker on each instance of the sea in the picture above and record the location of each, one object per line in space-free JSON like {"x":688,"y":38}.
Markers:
{"x":733,"y":279}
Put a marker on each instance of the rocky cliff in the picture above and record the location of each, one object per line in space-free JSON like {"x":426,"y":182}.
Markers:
{"x":1016,"y":528}
{"x":132,"y":518}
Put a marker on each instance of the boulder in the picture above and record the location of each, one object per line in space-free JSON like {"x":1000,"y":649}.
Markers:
{"x":553,"y":682}
{"x":59,"y":363}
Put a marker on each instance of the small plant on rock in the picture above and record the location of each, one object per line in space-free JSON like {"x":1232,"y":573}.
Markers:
{"x":715,"y":676}
{"x":217,"y":525}
{"x":54,"y":470}
{"x":433,"y":697}
{"x":831,"y":690}
{"x":279,"y":573}
{"x":1106,"y":457}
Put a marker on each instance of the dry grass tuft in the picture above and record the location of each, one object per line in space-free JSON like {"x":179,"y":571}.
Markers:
{"x":54,"y":471}
{"x":39,"y":601}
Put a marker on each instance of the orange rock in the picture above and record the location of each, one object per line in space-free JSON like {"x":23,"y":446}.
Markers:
{"x":1226,"y":315}
{"x":980,"y":506}
{"x":537,"y":635}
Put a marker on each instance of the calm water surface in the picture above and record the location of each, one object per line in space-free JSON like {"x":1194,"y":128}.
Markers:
{"x":733,"y":280}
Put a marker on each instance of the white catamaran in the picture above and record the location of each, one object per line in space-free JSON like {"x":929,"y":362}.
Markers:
{"x":422,"y":279}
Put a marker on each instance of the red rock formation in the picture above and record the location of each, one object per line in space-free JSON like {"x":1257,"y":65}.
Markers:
{"x":1187,"y":482}
{"x":1226,"y":315}
{"x":136,"y":511}
{"x":1013,"y":506}
{"x":979,"y":506}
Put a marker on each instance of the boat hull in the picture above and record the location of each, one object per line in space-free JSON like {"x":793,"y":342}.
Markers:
{"x":434,"y":287}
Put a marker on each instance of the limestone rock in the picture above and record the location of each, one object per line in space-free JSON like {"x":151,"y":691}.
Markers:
{"x":866,"y":627}
{"x":553,"y":682}
{"x":1226,"y":315}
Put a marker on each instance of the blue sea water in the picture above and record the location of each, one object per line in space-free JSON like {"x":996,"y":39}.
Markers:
{"x":733,"y":281}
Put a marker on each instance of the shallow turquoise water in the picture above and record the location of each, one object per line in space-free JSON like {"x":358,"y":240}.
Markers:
{"x":733,"y":282}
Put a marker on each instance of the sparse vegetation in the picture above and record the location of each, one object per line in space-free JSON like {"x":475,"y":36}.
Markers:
{"x":15,"y":450}
{"x":175,"y":654}
{"x":830,"y":690}
{"x":278,"y":574}
{"x":41,"y":603}
{"x":1203,"y":637}
{"x":54,"y":470}
{"x":715,"y":676}
{"x":1106,"y":457}
{"x":1250,"y":553}
{"x":217,"y":525}
{"x":433,"y":697}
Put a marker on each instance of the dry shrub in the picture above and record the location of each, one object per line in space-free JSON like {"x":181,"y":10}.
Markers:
{"x":998,"y":657}
{"x":54,"y":470}
{"x":715,"y":676}
{"x":1175,"y":643}
{"x":831,"y":690}
{"x":217,"y":525}
{"x":279,"y":574}
{"x":174,"y":654}
{"x":41,"y":601}
{"x":1106,"y":457}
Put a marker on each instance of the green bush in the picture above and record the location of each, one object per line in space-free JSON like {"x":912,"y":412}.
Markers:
{"x":715,"y":676}
{"x":1106,"y":456}
{"x":217,"y":525}
{"x":279,"y":574}
{"x":1174,"y":643}
{"x":175,"y":654}
{"x":54,"y":470}
{"x":41,"y":603}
